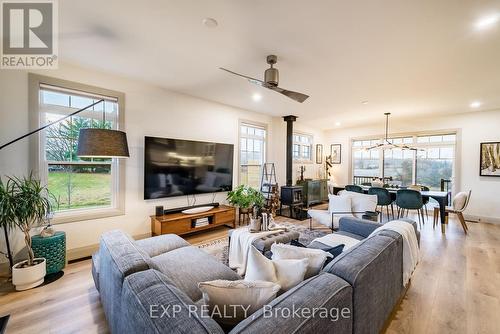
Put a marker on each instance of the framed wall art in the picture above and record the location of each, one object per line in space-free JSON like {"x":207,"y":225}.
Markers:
{"x":489,"y":164}
{"x":336,"y":153}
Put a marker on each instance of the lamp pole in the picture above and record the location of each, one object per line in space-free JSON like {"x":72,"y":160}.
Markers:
{"x":9,"y":253}
{"x":50,"y":124}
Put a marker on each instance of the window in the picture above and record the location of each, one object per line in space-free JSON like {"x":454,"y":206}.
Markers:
{"x":434,"y":160}
{"x":302,"y":147}
{"x":85,"y":188}
{"x":398,"y":164}
{"x":252,"y":153}
{"x":366,"y":162}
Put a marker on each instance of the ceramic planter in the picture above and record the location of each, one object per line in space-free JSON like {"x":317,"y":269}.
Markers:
{"x":28,"y":277}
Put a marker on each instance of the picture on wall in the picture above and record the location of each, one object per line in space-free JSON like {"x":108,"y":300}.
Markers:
{"x":490,"y":159}
{"x":319,"y":153}
{"x":336,"y":153}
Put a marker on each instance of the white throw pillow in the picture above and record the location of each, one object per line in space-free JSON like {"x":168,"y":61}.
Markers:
{"x":340,"y":204}
{"x":316,"y":257}
{"x":286,"y":273}
{"x":361,"y":202}
{"x":334,"y":239}
{"x":259,"y":267}
{"x":236,"y":300}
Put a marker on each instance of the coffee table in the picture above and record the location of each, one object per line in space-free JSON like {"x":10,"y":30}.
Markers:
{"x":264,"y":244}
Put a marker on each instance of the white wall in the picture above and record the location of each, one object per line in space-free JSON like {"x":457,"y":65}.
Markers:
{"x":473,"y":128}
{"x":149,"y":110}
{"x":279,"y":150}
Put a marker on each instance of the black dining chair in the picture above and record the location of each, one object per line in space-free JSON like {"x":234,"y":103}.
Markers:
{"x":354,"y":188}
{"x":383,"y":199}
{"x":408,"y":199}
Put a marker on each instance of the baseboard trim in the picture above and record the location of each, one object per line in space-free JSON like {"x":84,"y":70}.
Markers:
{"x":482,"y":219}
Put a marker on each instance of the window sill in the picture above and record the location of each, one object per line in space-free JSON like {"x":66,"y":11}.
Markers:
{"x":88,"y":214}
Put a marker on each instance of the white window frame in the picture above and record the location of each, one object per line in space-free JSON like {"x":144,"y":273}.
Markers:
{"x":253,"y":124}
{"x":414,"y":135}
{"x":301,"y":147}
{"x":38,"y":161}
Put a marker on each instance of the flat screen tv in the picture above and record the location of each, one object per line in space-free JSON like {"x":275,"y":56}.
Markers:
{"x":176,"y":167}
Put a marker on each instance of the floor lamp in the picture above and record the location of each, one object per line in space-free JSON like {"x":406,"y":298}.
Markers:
{"x":92,"y":142}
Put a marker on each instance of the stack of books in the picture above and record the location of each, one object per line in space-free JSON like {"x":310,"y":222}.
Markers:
{"x":201,"y":222}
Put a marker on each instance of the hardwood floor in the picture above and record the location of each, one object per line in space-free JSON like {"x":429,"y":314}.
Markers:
{"x":455,"y":289}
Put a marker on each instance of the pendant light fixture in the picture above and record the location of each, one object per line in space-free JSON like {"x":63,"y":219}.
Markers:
{"x":386,"y":144}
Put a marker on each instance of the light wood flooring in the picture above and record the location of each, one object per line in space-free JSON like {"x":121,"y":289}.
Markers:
{"x":455,"y":289}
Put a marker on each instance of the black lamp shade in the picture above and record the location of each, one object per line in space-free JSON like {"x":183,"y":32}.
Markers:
{"x":102,"y":143}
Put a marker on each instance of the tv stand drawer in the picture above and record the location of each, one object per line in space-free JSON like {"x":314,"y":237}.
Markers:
{"x":225,"y":217}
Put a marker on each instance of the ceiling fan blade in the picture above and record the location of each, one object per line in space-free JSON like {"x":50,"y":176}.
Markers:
{"x":252,"y":80}
{"x":299,"y":97}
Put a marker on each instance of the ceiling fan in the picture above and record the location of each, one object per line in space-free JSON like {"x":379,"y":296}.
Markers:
{"x":271,"y":78}
{"x":386,"y":144}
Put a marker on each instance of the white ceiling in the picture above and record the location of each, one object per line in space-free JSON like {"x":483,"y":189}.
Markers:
{"x":404,"y":56}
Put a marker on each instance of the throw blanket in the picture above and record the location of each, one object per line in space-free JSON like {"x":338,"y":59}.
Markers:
{"x":241,"y":240}
{"x":411,"y":254}
{"x":335,"y":239}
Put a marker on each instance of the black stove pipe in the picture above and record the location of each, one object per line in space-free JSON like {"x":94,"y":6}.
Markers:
{"x":289,"y":148}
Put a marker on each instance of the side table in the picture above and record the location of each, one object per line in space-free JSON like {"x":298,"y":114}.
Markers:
{"x":53,"y":249}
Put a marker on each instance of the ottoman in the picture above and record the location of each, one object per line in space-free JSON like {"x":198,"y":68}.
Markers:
{"x":264,"y":244}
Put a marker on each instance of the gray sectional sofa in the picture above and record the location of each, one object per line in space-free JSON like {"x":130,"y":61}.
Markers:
{"x":135,"y":278}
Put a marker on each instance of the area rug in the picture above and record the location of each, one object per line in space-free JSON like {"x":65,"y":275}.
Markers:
{"x":219,"y":248}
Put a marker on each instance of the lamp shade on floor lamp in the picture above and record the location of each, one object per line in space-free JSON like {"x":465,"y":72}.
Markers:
{"x":102,"y":143}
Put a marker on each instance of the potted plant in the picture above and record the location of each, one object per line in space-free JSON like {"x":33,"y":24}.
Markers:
{"x":246,"y":198}
{"x":28,"y":207}
{"x":6,"y":222}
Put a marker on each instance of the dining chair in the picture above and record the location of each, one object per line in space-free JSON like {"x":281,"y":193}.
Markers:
{"x":354,"y":188}
{"x":383,"y":199}
{"x":459,"y":204}
{"x":425,"y":200}
{"x":409,"y":199}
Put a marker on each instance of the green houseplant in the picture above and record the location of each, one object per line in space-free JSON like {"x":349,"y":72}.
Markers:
{"x":246,"y":198}
{"x":25,"y":204}
{"x":6,"y":222}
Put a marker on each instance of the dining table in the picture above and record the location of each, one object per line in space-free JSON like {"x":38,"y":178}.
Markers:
{"x":440,"y":196}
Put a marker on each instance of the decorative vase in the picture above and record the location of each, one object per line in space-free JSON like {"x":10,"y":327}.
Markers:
{"x":255,"y":224}
{"x":265,"y":222}
{"x":28,"y":277}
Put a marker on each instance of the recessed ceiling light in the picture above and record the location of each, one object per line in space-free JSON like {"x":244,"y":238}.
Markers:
{"x":256,"y":97}
{"x":487,"y":21}
{"x":209,"y":22}
{"x":337,"y":123}
{"x":475,"y":104}
{"x":364,"y":102}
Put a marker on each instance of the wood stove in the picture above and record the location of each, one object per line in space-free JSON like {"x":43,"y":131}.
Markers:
{"x":291,"y":196}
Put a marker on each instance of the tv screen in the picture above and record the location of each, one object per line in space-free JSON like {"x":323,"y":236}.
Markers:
{"x":176,"y":167}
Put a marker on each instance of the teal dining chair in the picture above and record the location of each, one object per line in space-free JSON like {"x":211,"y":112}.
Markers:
{"x":408,"y":199}
{"x":424,"y":199}
{"x":354,"y":188}
{"x":384,"y":199}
